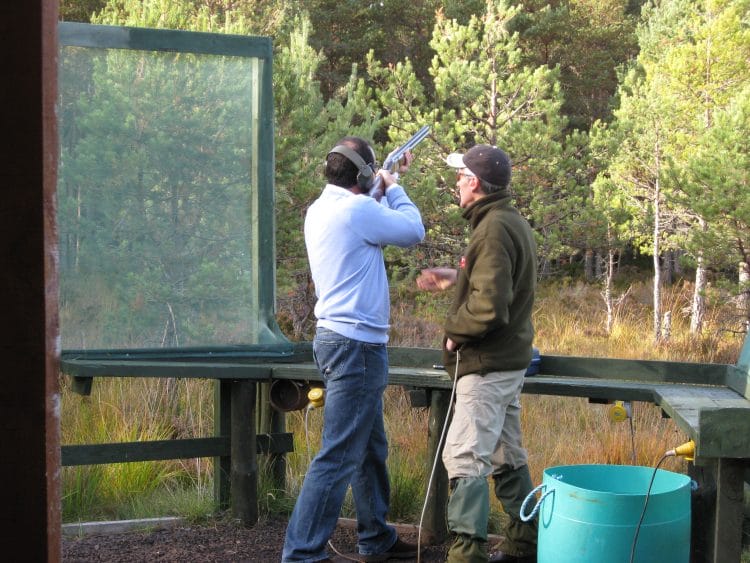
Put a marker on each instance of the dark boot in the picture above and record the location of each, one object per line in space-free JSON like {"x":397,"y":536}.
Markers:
{"x":468,"y":512}
{"x":467,"y":550}
{"x":511,"y":488}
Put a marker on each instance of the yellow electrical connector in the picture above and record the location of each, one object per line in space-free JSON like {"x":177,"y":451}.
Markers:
{"x":316,"y":396}
{"x":686,"y":450}
{"x":619,"y":411}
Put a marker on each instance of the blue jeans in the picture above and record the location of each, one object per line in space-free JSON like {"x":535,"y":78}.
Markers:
{"x":353,"y":452}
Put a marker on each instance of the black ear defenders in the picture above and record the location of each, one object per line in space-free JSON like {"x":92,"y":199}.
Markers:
{"x":366,"y":174}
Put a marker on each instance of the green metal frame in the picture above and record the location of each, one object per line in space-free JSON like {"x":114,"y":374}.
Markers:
{"x":270,"y":341}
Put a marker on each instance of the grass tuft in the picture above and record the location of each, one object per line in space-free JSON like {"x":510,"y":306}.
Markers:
{"x":569,"y":320}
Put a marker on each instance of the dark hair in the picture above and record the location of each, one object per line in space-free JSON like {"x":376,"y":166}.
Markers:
{"x":488,"y":188}
{"x":342,"y":172}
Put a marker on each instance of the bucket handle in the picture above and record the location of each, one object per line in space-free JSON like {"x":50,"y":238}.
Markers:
{"x":522,"y":513}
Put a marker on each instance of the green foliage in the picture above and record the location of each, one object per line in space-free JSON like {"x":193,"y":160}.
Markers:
{"x":484,"y":93}
{"x":719,"y":168}
{"x":79,"y":10}
{"x":559,"y":33}
{"x":153,"y":198}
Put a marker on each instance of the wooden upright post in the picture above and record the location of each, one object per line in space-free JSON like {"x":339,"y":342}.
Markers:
{"x":29,"y":394}
{"x":244,"y":474}
{"x":222,"y":427}
{"x":434,"y":528}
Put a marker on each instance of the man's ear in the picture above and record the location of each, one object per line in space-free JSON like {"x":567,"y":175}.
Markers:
{"x":476,"y":185}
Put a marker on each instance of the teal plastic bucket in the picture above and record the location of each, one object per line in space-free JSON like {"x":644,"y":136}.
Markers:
{"x":590,"y":513}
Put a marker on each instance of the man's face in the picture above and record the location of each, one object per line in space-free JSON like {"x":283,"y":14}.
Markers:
{"x":467,"y":185}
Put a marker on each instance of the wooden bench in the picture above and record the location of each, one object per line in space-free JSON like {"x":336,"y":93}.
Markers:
{"x":709,"y":402}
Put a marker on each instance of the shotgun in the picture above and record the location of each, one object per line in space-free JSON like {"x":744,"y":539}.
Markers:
{"x":392,"y":160}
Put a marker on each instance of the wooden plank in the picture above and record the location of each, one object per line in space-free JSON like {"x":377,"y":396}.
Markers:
{"x":653,"y":371}
{"x":155,"y":368}
{"x":414,"y":377}
{"x":435,"y":527}
{"x":702,"y":510}
{"x":159,"y":450}
{"x":727,"y":544}
{"x":587,"y":387}
{"x":423,"y":358}
{"x":155,"y":450}
{"x":718,"y":419}
{"x":744,"y":361}
{"x":724,"y":432}
{"x":82,"y":385}
{"x":222,"y":427}
{"x":244,"y":467}
{"x":738,"y":379}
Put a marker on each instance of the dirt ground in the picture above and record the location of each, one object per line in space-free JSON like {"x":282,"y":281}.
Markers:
{"x":215,"y":542}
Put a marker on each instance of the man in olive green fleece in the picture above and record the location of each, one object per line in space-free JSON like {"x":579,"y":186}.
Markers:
{"x":488,"y":346}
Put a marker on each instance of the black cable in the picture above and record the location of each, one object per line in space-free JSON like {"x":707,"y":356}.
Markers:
{"x":645,"y":504}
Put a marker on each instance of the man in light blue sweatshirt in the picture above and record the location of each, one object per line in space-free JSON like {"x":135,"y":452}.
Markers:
{"x":345,"y":231}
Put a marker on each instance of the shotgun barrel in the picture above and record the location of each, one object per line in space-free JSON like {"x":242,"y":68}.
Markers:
{"x":392,"y":160}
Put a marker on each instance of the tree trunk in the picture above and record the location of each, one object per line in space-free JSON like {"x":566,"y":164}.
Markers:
{"x":656,"y":252}
{"x":668,"y":268}
{"x":744,"y":303}
{"x":698,"y":309}
{"x":608,"y":291}
{"x":666,"y":326}
{"x":589,"y":265}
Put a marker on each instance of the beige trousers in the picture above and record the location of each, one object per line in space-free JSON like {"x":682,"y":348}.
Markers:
{"x":485,"y":432}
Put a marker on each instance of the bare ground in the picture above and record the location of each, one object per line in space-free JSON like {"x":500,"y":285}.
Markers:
{"x":221,"y":541}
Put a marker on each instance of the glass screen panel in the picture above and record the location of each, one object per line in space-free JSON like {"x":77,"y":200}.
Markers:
{"x":154,"y":199}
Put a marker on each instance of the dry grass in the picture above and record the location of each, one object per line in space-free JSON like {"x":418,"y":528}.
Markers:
{"x":569,"y":319}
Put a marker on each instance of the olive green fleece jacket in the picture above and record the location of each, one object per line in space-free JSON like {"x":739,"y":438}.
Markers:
{"x":490,"y":318}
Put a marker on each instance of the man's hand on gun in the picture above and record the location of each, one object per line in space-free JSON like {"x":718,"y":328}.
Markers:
{"x":397,"y":162}
{"x":390,"y":178}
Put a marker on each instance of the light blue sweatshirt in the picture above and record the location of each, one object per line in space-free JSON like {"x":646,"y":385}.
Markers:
{"x":344,"y":235}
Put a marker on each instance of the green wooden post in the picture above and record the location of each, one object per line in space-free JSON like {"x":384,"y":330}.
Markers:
{"x":727,"y":542}
{"x":434,"y":528}
{"x":244,"y":472}
{"x":222,"y":427}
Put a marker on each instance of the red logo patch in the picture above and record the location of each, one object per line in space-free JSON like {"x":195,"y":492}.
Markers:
{"x":462,"y":263}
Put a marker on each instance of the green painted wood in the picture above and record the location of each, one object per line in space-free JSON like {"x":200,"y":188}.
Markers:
{"x":425,"y":378}
{"x":738,"y":379}
{"x":724,"y":433}
{"x":423,"y":358}
{"x":666,"y":384}
{"x":113,"y":37}
{"x":158,"y":450}
{"x":143,"y":451}
{"x":434,"y":526}
{"x":744,"y":361}
{"x":149,"y":368}
{"x":653,"y":371}
{"x":222,"y":427}
{"x":727,"y":528}
{"x":587,"y":387}
{"x":702,"y":510}
{"x":244,"y":466}
{"x":82,"y":385}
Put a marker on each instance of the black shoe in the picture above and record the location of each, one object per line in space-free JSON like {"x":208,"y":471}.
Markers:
{"x":500,"y":557}
{"x":399,"y":550}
